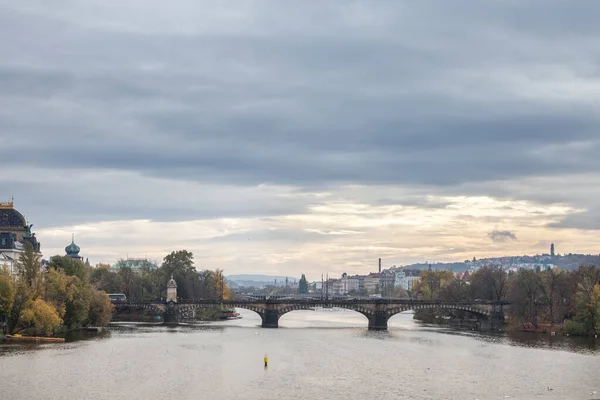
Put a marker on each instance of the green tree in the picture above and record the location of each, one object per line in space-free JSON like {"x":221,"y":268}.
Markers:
{"x":303,"y":285}
{"x":7,"y":292}
{"x":28,"y":266}
{"x":70,"y":267}
{"x":78,"y":308}
{"x":177,"y":262}
{"x":106,"y":280}
{"x":180,"y":265}
{"x":58,"y":290}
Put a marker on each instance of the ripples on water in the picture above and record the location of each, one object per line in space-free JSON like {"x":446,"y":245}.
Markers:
{"x":314,"y":355}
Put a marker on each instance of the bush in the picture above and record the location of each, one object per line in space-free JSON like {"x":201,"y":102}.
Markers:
{"x":573,"y":328}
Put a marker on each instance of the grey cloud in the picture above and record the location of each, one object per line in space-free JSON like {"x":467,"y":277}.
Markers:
{"x":502,"y":236}
{"x":297,"y":94}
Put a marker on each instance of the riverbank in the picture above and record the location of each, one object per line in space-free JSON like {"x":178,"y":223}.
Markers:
{"x":19,"y":338}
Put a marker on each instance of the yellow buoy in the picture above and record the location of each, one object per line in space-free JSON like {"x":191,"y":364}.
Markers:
{"x":266,"y":360}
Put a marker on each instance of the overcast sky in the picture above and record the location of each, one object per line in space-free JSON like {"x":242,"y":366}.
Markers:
{"x":289,"y":137}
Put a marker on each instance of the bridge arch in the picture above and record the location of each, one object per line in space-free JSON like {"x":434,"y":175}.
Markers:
{"x":476,"y":311}
{"x":374,"y":318}
{"x":185,"y":309}
{"x":299,"y":307}
{"x":124,"y":306}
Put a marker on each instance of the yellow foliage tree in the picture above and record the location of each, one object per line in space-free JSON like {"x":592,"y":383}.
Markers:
{"x":221,"y":285}
{"x":431,"y":283}
{"x":100,"y":309}
{"x":42,"y":316}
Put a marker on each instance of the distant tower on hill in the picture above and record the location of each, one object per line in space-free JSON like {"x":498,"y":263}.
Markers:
{"x":380,"y":265}
{"x":552,"y":250}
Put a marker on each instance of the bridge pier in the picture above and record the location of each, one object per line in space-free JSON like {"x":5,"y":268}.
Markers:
{"x":494,"y":322}
{"x":378,"y":321}
{"x":270,"y":319}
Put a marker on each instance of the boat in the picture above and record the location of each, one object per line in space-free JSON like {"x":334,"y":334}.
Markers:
{"x":228,"y":313}
{"x":20,"y":338}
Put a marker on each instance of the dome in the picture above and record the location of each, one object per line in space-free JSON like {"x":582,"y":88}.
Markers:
{"x":72,"y":249}
{"x":11,"y":218}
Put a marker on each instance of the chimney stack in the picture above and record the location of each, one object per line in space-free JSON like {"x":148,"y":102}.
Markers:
{"x":380,"y":265}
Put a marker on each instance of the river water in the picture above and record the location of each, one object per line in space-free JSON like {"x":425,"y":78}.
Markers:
{"x":326,"y":354}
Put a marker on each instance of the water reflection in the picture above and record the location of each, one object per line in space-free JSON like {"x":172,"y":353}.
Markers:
{"x":329,"y":354}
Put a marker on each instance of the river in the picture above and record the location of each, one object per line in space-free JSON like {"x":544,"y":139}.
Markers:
{"x":326,"y":354}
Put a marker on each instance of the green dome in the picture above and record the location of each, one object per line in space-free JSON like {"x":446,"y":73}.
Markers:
{"x":72,"y":249}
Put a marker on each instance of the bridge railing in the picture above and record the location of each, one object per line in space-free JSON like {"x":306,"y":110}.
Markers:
{"x":325,"y":301}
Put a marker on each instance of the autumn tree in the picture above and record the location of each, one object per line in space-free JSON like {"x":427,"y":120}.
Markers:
{"x":399,"y":292}
{"x":431,"y":284}
{"x":41,"y":316}
{"x":100,"y":309}
{"x":489,"y":283}
{"x":526,"y":297}
{"x":587,"y":308}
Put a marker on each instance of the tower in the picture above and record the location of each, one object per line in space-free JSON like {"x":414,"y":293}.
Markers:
{"x":172,"y":290}
{"x":380,"y":265}
{"x":552,"y":250}
{"x":73,"y":250}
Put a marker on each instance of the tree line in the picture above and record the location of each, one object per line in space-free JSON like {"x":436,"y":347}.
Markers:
{"x":69,"y":294}
{"x":46,"y":302}
{"x":538,"y":297}
{"x":149,"y":281}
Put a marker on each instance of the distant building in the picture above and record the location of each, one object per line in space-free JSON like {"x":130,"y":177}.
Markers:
{"x":15,"y":232}
{"x":371,"y":283}
{"x":136,"y":264}
{"x":406,"y":278}
{"x":353,"y":284}
{"x":552,"y":250}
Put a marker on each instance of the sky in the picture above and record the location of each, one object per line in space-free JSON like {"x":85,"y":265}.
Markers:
{"x":289,"y":137}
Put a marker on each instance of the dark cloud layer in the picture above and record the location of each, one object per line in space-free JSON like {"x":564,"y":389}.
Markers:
{"x":429,"y":93}
{"x":502,"y":236}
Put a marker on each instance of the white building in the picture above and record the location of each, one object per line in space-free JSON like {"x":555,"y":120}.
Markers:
{"x":371,"y":283}
{"x":9,"y":258}
{"x":353,"y":284}
{"x":404,"y":281}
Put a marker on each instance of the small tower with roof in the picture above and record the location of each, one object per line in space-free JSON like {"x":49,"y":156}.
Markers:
{"x":73,"y":250}
{"x":172,"y":290}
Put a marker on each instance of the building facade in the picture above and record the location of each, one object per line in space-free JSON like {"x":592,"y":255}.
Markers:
{"x":15,"y":233}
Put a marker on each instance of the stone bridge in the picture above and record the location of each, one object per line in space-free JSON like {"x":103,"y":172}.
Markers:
{"x":377,"y":310}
